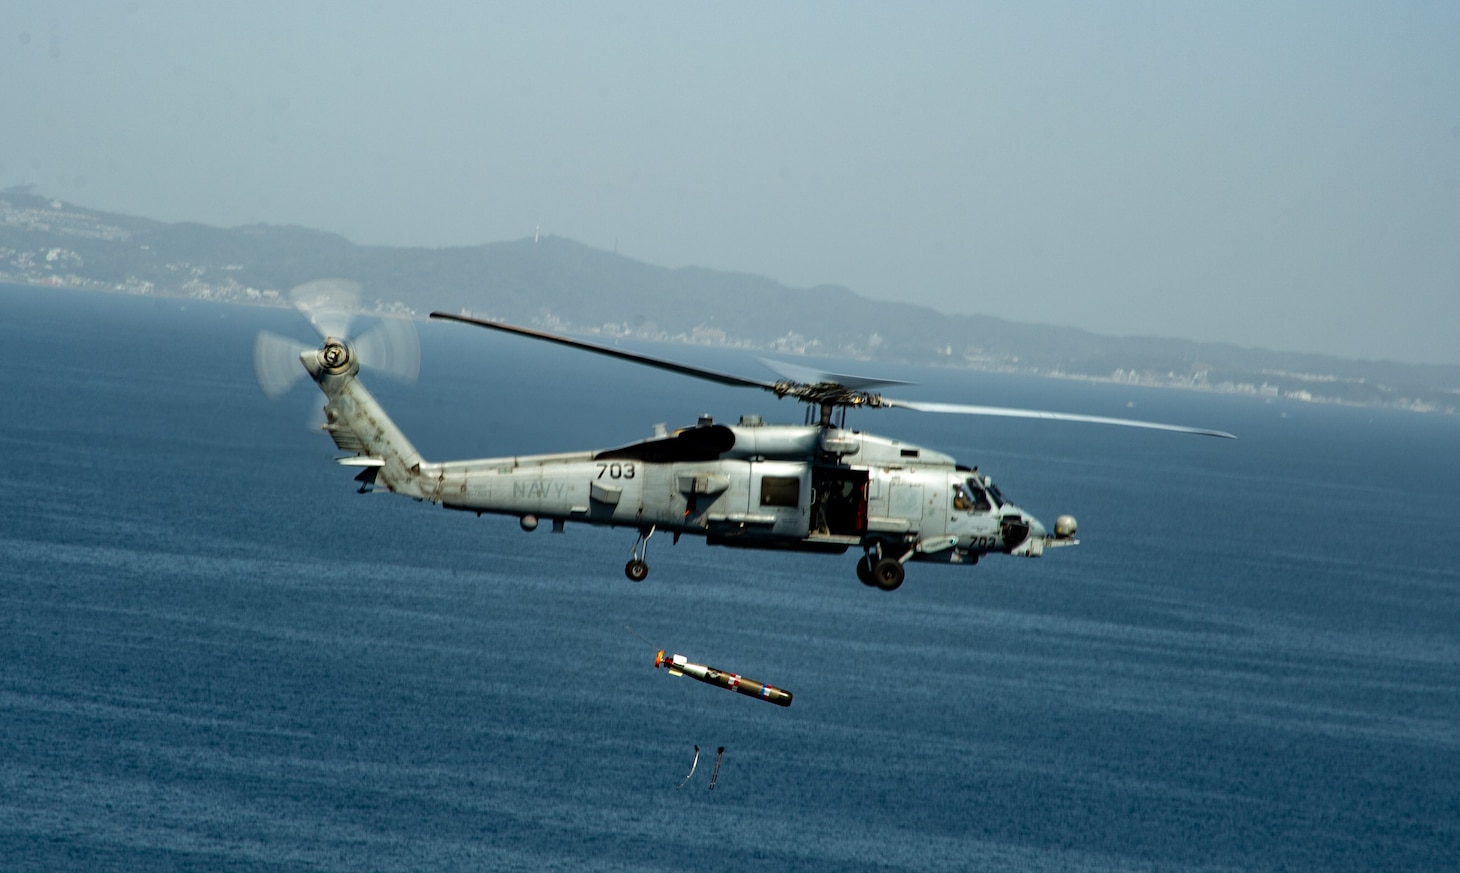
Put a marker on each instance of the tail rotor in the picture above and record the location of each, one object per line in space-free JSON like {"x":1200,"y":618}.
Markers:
{"x":389,"y":347}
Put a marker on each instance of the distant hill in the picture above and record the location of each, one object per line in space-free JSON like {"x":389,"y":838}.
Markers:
{"x":566,"y":286}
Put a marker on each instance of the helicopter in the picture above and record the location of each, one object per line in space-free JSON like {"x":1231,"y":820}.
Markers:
{"x":814,"y":487}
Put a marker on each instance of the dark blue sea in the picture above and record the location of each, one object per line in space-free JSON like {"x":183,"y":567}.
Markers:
{"x":216,"y":656}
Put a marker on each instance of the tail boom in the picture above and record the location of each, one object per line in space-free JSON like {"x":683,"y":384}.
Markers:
{"x":358,"y":424}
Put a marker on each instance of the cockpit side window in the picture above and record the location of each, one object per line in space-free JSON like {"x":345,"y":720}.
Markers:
{"x":980,"y":499}
{"x":962,"y":500}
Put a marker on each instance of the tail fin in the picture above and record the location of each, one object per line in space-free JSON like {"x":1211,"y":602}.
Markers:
{"x":358,"y":424}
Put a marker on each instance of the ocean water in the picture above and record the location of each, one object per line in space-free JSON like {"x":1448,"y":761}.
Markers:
{"x":215,"y":655}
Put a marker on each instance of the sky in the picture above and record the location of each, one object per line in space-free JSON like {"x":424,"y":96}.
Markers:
{"x":1278,"y":175}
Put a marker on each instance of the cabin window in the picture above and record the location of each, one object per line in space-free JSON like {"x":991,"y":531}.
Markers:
{"x":780,"y":491}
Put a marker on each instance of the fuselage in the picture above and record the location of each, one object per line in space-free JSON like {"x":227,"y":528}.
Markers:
{"x":754,"y":485}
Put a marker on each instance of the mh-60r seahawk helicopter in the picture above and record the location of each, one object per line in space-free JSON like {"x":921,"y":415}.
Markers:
{"x":815,"y":487}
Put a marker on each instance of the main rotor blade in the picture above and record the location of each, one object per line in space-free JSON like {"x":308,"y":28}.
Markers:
{"x":1007,"y":412}
{"x":810,"y":376}
{"x":671,"y":366}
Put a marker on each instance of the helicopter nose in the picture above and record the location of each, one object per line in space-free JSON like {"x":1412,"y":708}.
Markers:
{"x":1024,"y":534}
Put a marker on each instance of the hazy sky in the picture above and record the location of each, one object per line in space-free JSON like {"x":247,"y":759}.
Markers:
{"x":1284,"y":175}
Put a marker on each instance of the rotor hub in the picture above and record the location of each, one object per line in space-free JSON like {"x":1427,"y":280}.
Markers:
{"x":334,"y":356}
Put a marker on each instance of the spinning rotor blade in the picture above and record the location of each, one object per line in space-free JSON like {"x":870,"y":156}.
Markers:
{"x":328,"y":304}
{"x":682,"y":369}
{"x":1007,"y":412}
{"x":827,"y":390}
{"x":389,"y":347}
{"x":276,"y":362}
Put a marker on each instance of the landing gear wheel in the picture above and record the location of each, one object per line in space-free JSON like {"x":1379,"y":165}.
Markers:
{"x":864,"y":570}
{"x":887,"y":574}
{"x":636,"y":569}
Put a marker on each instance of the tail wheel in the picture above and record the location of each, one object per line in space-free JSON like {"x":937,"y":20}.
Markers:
{"x":636,"y":570}
{"x":887,"y":574}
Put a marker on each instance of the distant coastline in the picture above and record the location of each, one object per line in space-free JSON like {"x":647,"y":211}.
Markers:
{"x":560,"y":285}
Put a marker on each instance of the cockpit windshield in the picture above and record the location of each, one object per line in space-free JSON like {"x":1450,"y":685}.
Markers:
{"x":971,"y":497}
{"x":978,"y":488}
